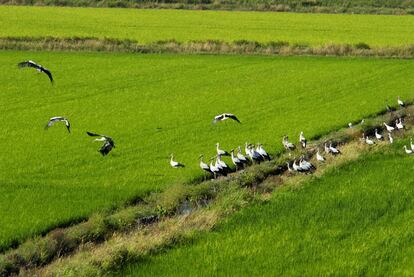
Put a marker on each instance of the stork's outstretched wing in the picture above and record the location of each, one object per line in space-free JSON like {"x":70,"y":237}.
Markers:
{"x":48,"y":73}
{"x":29,"y":64}
{"x":94,"y":135}
{"x":232,"y":116}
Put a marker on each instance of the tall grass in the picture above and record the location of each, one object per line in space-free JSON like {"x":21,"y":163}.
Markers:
{"x":355,"y":220}
{"x":154,"y":105}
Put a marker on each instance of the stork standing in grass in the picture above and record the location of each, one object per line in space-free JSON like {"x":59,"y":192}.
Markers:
{"x":319,"y":157}
{"x":388,"y":127}
{"x":175,"y":164}
{"x":241,"y":157}
{"x":204,"y":166}
{"x":390,"y":138}
{"x":378,"y":135}
{"x":399,"y":124}
{"x":236,"y":161}
{"x":220,"y":151}
{"x":333,"y":150}
{"x":288,"y":145}
{"x":302,"y":140}
{"x":55,"y":119}
{"x":367,"y":139}
{"x":223,"y":165}
{"x":38,"y":67}
{"x":400,"y":102}
{"x":213,"y":168}
{"x":262,"y":152}
{"x":408,"y":151}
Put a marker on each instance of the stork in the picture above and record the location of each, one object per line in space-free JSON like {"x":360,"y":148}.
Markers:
{"x":296,"y":167}
{"x":235,"y":160}
{"x":241,"y":157}
{"x":288,"y":145}
{"x":203,"y":165}
{"x":367,"y":139}
{"x":55,"y":119}
{"x":224,"y":116}
{"x":334,"y":151}
{"x":174,"y":163}
{"x":38,"y":67}
{"x":399,"y":124}
{"x":319,"y":157}
{"x":350,"y":125}
{"x":302,"y":139}
{"x":388,"y":127}
{"x":254,"y":155}
{"x":221,"y":152}
{"x":305,"y":165}
{"x":223,"y":165}
{"x":288,"y":167}
{"x":108,"y":143}
{"x":262,"y":152}
{"x":400,"y":102}
{"x":213,"y":168}
{"x":378,"y":135}
{"x":408,"y":151}
{"x":391,"y":140}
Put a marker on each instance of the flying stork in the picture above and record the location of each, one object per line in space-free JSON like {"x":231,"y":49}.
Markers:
{"x":38,"y":67}
{"x":224,"y":116}
{"x":108,"y":143}
{"x":174,"y":163}
{"x":55,"y":119}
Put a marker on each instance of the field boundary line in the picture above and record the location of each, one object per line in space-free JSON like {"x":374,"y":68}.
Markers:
{"x":239,"y":47}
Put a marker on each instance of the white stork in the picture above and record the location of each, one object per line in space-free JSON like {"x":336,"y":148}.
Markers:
{"x":235,"y":160}
{"x":55,"y":119}
{"x":378,"y":135}
{"x":319,"y":157}
{"x":391,"y":140}
{"x":241,"y":157}
{"x":302,"y":139}
{"x":108,"y":143}
{"x":408,"y":151}
{"x":203,"y":165}
{"x":224,"y":116}
{"x":288,"y":145}
{"x":174,"y":163}
{"x":262,"y":152}
{"x":400,"y":102}
{"x":334,"y":151}
{"x":367,"y":139}
{"x":38,"y":67}
{"x":399,"y":124}
{"x":221,"y":152}
{"x":388,"y":127}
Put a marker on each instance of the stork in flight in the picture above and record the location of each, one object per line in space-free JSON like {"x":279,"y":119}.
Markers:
{"x":38,"y":67}
{"x":224,"y":116}
{"x":108,"y":143}
{"x":174,"y":163}
{"x":55,"y":119}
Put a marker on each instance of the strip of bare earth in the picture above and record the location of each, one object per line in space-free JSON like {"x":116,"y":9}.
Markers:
{"x":106,"y":242}
{"x":243,"y":47}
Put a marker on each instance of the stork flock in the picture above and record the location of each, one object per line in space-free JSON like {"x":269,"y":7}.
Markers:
{"x":255,"y":154}
{"x":108,"y":142}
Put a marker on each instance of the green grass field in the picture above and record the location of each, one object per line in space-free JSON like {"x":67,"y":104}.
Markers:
{"x":356,"y":220}
{"x":148,"y":26}
{"x":154,"y":105}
